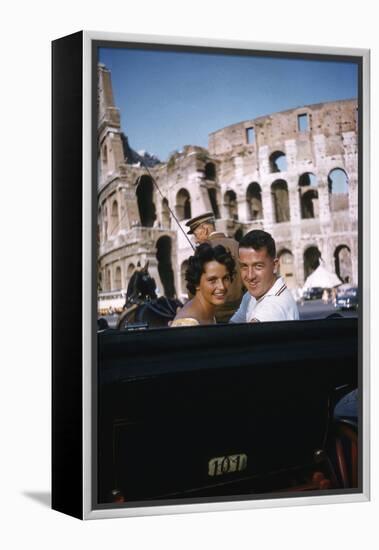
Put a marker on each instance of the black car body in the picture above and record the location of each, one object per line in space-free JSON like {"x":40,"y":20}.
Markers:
{"x":220,"y":411}
{"x":313,"y":293}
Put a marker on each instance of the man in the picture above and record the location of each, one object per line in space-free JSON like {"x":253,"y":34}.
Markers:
{"x":268,"y":298}
{"x":203,"y":228}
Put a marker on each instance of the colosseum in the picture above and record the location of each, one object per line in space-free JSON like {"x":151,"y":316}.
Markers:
{"x":293,"y":174}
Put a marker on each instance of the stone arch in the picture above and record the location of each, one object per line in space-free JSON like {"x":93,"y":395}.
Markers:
{"x":287,"y":267}
{"x":309,"y":204}
{"x":343,"y":264}
{"x":146,"y":206}
{"x":166,"y":217}
{"x":280,"y":198}
{"x":338,"y":181}
{"x":308,"y":195}
{"x":231,"y":206}
{"x":183,"y":204}
{"x":114,"y":217}
{"x":210,"y":171}
{"x":183,"y":282}
{"x":254,"y":201}
{"x":307,"y":179}
{"x":118,"y":278}
{"x":212,"y":194}
{"x":311,"y":257}
{"x":166,"y":273}
{"x":130,"y":270}
{"x":338,"y":185}
{"x":278,"y":162}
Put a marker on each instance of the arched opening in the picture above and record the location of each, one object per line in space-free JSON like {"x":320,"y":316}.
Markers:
{"x":146,"y":205}
{"x":114,"y":218}
{"x":287,"y":268}
{"x":343,"y":264}
{"x":281,"y":206}
{"x":309,"y":204}
{"x":338,"y":185}
{"x":254,"y":201}
{"x":230,"y":203}
{"x":308,"y":195}
{"x":210,"y":171}
{"x":213,"y":200}
{"x":278,"y":162}
{"x":117,"y":279}
{"x":166,"y":219}
{"x":307,"y":180}
{"x":312,"y":257}
{"x":183,"y":205}
{"x":165,"y":270}
{"x":183,"y":282}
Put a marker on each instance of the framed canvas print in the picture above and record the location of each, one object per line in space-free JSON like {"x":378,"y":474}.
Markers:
{"x":210,"y":275}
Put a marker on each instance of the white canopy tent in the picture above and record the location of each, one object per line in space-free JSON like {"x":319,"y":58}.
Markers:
{"x":321,"y":278}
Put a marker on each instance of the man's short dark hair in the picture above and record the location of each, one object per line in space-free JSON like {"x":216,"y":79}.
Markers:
{"x":259,"y":239}
{"x":203,"y":254}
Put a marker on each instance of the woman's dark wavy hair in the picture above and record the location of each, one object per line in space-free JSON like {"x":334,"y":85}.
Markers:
{"x":203,"y":254}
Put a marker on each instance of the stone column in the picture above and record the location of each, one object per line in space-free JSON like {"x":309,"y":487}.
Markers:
{"x":351,"y":163}
{"x":267,"y":206}
{"x":243,"y":211}
{"x":264,"y":163}
{"x":238,"y":172}
{"x":353,"y":201}
{"x":294,"y":200}
{"x":291,"y":154}
{"x":326,"y":253}
{"x":298,"y":261}
{"x":324,"y":205}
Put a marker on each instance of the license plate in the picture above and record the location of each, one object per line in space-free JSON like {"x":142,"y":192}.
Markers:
{"x":222,"y":465}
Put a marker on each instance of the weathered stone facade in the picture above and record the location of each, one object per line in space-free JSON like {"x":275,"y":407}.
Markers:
{"x":292,"y":173}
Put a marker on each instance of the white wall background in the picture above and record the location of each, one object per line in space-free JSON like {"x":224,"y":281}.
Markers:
{"x":27,"y":29}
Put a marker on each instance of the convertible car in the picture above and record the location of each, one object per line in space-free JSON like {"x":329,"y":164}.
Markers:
{"x":226,"y":412}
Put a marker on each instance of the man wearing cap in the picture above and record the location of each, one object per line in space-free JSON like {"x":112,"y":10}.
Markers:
{"x":203,"y":228}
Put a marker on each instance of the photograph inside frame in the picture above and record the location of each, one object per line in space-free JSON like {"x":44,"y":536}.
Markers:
{"x":227,"y":275}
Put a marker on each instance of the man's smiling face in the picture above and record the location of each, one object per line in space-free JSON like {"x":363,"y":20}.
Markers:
{"x":258,"y":270}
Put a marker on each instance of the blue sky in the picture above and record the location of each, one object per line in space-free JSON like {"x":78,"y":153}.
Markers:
{"x":171,"y":99}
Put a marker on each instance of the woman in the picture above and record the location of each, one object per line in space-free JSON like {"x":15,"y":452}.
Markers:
{"x":209,"y":274}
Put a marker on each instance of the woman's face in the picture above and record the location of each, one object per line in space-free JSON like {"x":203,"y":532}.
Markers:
{"x":214,"y":283}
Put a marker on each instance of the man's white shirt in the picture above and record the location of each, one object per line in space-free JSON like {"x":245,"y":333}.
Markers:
{"x":277,"y":304}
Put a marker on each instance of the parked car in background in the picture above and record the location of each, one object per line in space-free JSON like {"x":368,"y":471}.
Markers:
{"x":347,"y":299}
{"x":313,"y":293}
